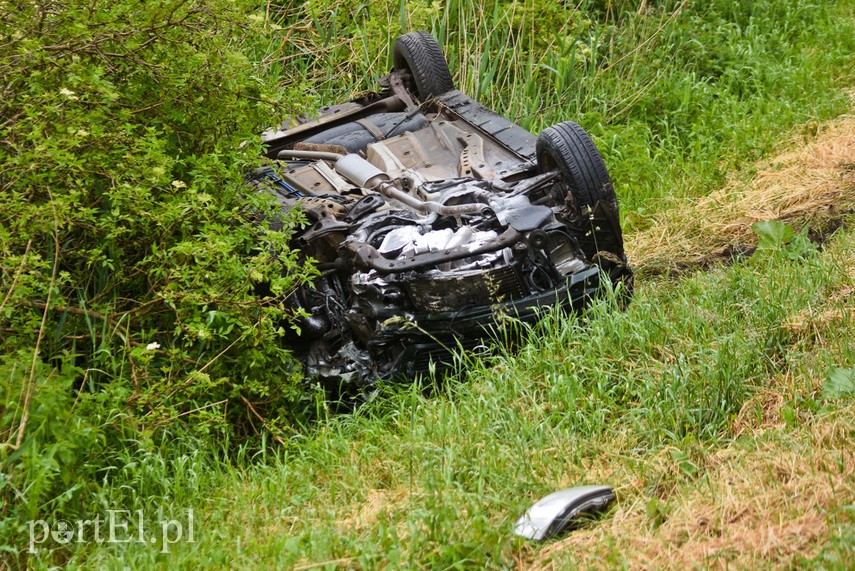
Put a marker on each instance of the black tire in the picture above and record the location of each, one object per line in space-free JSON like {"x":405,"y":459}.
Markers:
{"x":420,"y":53}
{"x":567,"y":148}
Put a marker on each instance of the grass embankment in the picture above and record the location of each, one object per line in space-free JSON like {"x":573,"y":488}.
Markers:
{"x":810,"y":186}
{"x":702,"y":403}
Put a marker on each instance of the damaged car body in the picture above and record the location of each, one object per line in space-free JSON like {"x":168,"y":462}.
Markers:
{"x":428,"y":215}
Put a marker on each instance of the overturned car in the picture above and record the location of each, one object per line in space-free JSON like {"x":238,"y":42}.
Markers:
{"x":429,"y":215}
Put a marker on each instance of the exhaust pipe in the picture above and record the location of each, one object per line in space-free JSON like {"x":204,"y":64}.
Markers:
{"x":365,"y":175}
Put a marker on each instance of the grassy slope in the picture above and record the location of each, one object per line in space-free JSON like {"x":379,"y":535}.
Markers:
{"x":701,"y":403}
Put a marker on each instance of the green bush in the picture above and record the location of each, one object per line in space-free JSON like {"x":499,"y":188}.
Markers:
{"x":130,"y":247}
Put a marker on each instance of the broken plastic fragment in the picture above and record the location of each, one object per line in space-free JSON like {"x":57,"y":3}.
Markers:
{"x":561,"y":510}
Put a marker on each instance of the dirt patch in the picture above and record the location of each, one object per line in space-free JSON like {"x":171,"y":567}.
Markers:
{"x":811,"y":185}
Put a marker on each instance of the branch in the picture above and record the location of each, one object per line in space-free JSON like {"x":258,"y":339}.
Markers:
{"x":77,"y":311}
{"x":30,"y":386}
{"x":17,"y":275}
{"x":261,"y":418}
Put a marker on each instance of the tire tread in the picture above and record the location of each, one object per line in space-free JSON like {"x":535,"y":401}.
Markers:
{"x":577,"y":157}
{"x":567,"y":148}
{"x":420,"y":53}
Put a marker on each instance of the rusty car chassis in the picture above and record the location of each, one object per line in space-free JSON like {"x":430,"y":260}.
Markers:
{"x":429,"y":214}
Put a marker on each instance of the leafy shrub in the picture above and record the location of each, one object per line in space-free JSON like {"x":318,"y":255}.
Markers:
{"x":130,"y":247}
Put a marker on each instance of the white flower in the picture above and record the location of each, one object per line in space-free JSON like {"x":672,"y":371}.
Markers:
{"x":152,"y":346}
{"x":68,"y":94}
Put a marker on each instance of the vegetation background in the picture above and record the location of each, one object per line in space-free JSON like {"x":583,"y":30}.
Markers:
{"x":139,"y":372}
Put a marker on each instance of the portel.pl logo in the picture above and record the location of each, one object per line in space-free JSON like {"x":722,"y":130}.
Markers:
{"x":117,"y":526}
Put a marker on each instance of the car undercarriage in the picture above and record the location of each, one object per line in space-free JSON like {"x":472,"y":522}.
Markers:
{"x":429,"y":215}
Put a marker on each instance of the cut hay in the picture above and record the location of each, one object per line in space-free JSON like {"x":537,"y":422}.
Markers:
{"x":770,"y":500}
{"x":780,"y":493}
{"x":811,"y":185}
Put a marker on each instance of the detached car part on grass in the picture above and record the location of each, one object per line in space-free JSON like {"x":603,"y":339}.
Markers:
{"x":429,"y":214}
{"x":562,"y":511}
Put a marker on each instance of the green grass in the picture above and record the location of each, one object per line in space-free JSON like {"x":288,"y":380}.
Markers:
{"x":679,"y":98}
{"x":432,"y":477}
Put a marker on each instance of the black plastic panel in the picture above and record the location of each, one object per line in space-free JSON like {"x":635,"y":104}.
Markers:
{"x":511,"y":135}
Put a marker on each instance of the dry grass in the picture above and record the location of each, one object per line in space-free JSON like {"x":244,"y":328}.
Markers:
{"x":765,"y":501}
{"x":377,"y":505}
{"x":776,"y":495}
{"x":810,"y":323}
{"x":813,"y":184}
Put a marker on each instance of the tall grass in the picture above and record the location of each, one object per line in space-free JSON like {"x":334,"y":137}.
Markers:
{"x":432,"y":476}
{"x":676,"y":95}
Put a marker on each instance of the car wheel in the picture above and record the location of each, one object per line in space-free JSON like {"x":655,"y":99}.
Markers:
{"x":419,"y":53}
{"x":567,"y":148}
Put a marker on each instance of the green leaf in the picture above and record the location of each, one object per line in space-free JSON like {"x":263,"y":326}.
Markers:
{"x":777,"y":236}
{"x":840,"y":384}
{"x":773,"y":234}
{"x":685,"y":463}
{"x":800,"y":245}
